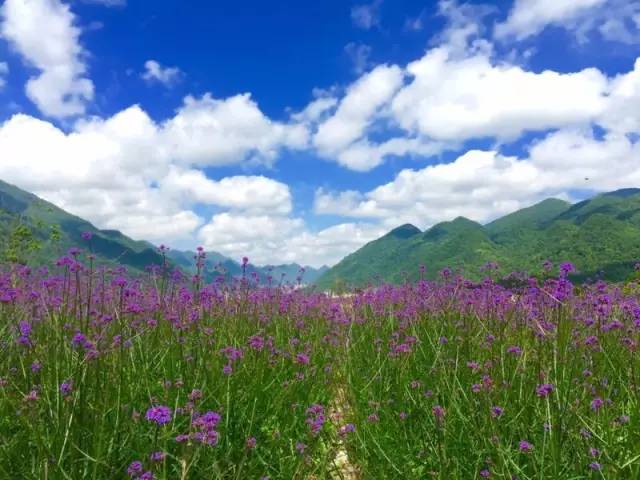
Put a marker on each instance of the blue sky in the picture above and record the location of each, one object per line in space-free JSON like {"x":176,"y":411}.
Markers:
{"x":298,"y":131}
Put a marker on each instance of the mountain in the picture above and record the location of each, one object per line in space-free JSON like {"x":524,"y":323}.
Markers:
{"x":35,"y":231}
{"x":601,"y":236}
{"x":217,"y":264}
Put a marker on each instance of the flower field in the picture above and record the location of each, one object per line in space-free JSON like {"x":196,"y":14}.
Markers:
{"x":105,"y":375}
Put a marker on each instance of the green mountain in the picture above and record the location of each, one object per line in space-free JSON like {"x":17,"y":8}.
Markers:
{"x":600,"y":236}
{"x":36,"y":232}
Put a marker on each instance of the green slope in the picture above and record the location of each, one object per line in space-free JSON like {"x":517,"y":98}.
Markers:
{"x":20,"y":208}
{"x":600,"y":235}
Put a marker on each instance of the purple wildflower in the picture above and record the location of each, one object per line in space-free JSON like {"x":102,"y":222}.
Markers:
{"x":161,"y":415}
{"x":135,"y":469}
{"x":544,"y":390}
{"x":157,"y":456}
{"x":496,"y":411}
{"x":525,"y":446}
{"x":596,"y":404}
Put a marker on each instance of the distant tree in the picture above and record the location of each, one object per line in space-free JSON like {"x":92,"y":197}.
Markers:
{"x":21,"y":242}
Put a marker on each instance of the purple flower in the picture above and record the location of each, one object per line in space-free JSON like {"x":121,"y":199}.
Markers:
{"x":87,"y":236}
{"x":300,"y":447}
{"x":207,"y":421}
{"x":66,"y":387}
{"x":78,"y":340}
{"x":160,"y":415}
{"x":438,"y":412}
{"x":525,"y":446}
{"x":595,"y":466}
{"x":195,"y":395}
{"x":514,"y":349}
{"x":566,"y":268}
{"x":251,"y":443}
{"x":544,"y":390}
{"x":496,"y":411}
{"x":302,"y":359}
{"x":596,"y":404}
{"x":345,"y":429}
{"x":485,"y":473}
{"x":227,"y":370}
{"x":135,"y":469}
{"x":157,"y":456}
{"x":147,"y":476}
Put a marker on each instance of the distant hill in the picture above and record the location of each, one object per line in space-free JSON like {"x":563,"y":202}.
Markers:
{"x":51,"y":231}
{"x":601,"y":236}
{"x":217,"y":264}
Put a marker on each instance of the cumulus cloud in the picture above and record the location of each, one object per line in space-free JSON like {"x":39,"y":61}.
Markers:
{"x":446,"y":98}
{"x":249,"y":194}
{"x":142,"y":177}
{"x":43,"y":32}
{"x":452,"y":98}
{"x":213,"y":132}
{"x":483,"y":185}
{"x":614,"y":20}
{"x":278,"y":239}
{"x":356,"y":112}
{"x":366,"y":16}
{"x":156,"y":73}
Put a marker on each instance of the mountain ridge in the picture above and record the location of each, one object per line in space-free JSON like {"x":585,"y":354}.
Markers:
{"x":601,"y":235}
{"x":110,"y":246}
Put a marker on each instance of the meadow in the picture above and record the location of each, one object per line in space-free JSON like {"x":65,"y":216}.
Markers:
{"x":106,"y":375}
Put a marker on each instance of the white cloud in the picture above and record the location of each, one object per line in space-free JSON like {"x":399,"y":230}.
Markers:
{"x":316,"y":111}
{"x":462,"y":34}
{"x":483,"y":185}
{"x":366,"y":16}
{"x":167,"y":76}
{"x":529,"y":17}
{"x":359,"y":55}
{"x":131,"y":173}
{"x":209,"y":131}
{"x":249,"y":194}
{"x":613,"y":19}
{"x":456,"y":92}
{"x":4,"y":70}
{"x":108,"y":3}
{"x":44,"y":34}
{"x":621,"y":115}
{"x":356,"y":111}
{"x":456,"y":99}
{"x":268,"y":239}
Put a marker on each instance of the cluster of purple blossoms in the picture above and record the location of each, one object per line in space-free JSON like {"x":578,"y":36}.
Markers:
{"x":206,"y":428}
{"x":525,"y":446}
{"x":496,"y":411}
{"x":315,"y":418}
{"x":544,"y":390}
{"x":346,"y":429}
{"x":136,"y":470}
{"x":160,"y":415}
{"x":438,"y":412}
